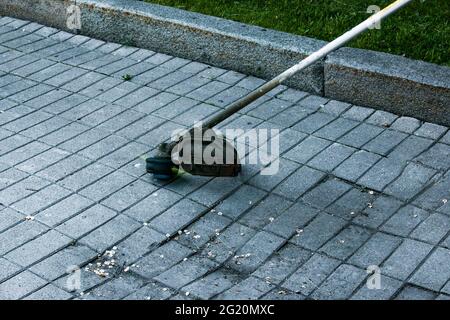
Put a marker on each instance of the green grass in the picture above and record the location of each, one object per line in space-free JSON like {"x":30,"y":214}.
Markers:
{"x":419,"y":31}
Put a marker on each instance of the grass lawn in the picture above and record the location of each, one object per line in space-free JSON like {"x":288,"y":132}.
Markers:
{"x":419,"y":31}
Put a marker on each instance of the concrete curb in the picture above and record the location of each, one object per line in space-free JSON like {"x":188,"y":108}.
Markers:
{"x":363,"y":77}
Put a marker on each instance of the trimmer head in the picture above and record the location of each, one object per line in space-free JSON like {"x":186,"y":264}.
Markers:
{"x":192,"y":156}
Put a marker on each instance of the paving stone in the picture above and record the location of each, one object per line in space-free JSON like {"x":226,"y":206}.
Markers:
{"x":107,"y":186}
{"x":110,"y":233}
{"x":177,"y":217}
{"x":431,"y":130}
{"x":350,"y":204}
{"x":434,"y":196}
{"x":20,"y":234}
{"x":161,"y":259}
{"x":35,"y":250}
{"x":311,"y":274}
{"x":406,"y":124}
{"x":240,"y":201}
{"x":375,"y":250}
{"x":446,"y":138}
{"x":331,"y":157}
{"x":42,"y":160}
{"x":414,"y":293}
{"x":23,"y":153}
{"x":412,"y":180}
{"x":265,"y":211}
{"x":138,"y":244}
{"x":381,"y":174}
{"x":8,"y":218}
{"x":151,"y":291}
{"x":313,"y":122}
{"x":405,"y":220}
{"x":270,"y":108}
{"x":129,"y":195}
{"x":388,"y":289}
{"x":299,"y":182}
{"x":63,"y":262}
{"x":22,"y":189}
{"x":385,"y":142}
{"x":438,"y":157}
{"x":86,"y":221}
{"x":228,"y":242}
{"x":433,"y":228}
{"x":153,"y":205}
{"x":255,"y":252}
{"x":307,"y":149}
{"x":433,"y":274}
{"x":49,"y":292}
{"x":214,"y":191}
{"x":282,"y":264}
{"x":186,"y":272}
{"x":41,"y":199}
{"x":117,"y":288}
{"x":292,"y":220}
{"x":346,"y":242}
{"x":20,"y":285}
{"x":326,"y":193}
{"x":269,"y":182}
{"x":85,"y":177}
{"x":64,"y":104}
{"x":212,"y":284}
{"x":340,"y":284}
{"x":382,"y":118}
{"x":381,"y":209}
{"x":360,"y":135}
{"x":410,"y":148}
{"x":356,"y":165}
{"x":405,"y":259}
{"x":203,"y":230}
{"x":7,"y":269}
{"x":84,"y":140}
{"x":319,"y":231}
{"x":249,"y":289}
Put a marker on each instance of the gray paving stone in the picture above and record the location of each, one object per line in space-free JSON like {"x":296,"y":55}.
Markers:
{"x":154,"y":204}
{"x":346,"y":242}
{"x":177,"y":217}
{"x":20,"y":234}
{"x":319,"y":231}
{"x":433,"y":228}
{"x":41,"y":199}
{"x":381,"y":209}
{"x":110,"y":233}
{"x":265,"y":211}
{"x":414,"y":293}
{"x":186,"y":272}
{"x":214,"y":191}
{"x":86,"y":221}
{"x":405,"y":259}
{"x":388,"y":289}
{"x":356,"y":165}
{"x":42,"y":160}
{"x":410,"y":148}
{"x":23,"y":153}
{"x":340,"y":284}
{"x":446,"y":138}
{"x":381,"y":174}
{"x":22,"y":189}
{"x":311,"y":274}
{"x":433,"y":274}
{"x":299,"y":182}
{"x":313,"y":122}
{"x":20,"y":285}
{"x":360,"y":135}
{"x":255,"y":252}
{"x":412,"y":180}
{"x":385,"y":142}
{"x":405,"y":220}
{"x":212,"y":284}
{"x":292,"y":220}
{"x":307,"y":149}
{"x":38,"y":248}
{"x":138,"y":244}
{"x":8,"y":218}
{"x":49,"y":292}
{"x":406,"y":124}
{"x":63,"y":168}
{"x":326,"y":193}
{"x":7,"y":269}
{"x":63,"y":262}
{"x":151,"y":291}
{"x":161,"y":259}
{"x":431,"y":130}
{"x":249,"y":289}
{"x":331,"y":157}
{"x":106,"y":186}
{"x":117,"y":288}
{"x":278,"y":267}
{"x":382,"y":118}
{"x":433,"y":197}
{"x":438,"y":157}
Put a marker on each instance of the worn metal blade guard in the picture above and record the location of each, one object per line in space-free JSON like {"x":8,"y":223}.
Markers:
{"x":227,"y":166}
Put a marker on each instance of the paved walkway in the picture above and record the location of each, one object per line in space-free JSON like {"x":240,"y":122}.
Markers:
{"x":356,"y":187}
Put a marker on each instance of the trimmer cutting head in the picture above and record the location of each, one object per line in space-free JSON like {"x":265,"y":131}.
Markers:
{"x":216,"y":158}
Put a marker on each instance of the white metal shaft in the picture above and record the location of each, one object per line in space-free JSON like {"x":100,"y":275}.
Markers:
{"x":330,"y":47}
{"x":339,"y":42}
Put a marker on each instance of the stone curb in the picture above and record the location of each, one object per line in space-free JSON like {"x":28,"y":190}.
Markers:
{"x":389,"y":82}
